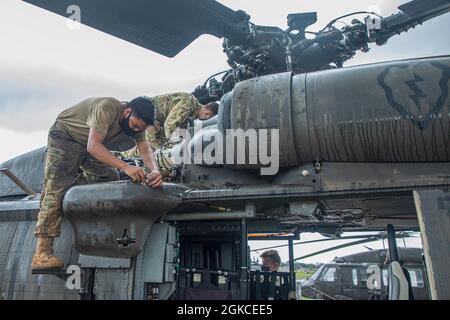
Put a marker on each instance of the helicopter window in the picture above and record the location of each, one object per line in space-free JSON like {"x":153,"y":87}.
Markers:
{"x":329,"y":275}
{"x":317,"y":273}
{"x":355,"y":276}
{"x":416,"y":278}
{"x":385,"y":277}
{"x":362,"y":275}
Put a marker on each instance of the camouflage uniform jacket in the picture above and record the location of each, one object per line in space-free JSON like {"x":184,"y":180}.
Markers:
{"x":171,"y":112}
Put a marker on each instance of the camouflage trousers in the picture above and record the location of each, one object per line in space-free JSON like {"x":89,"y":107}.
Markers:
{"x":67,"y":163}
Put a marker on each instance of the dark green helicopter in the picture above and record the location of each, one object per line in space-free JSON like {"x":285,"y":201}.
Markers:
{"x":358,"y":276}
{"x":356,"y":152}
{"x":349,"y":277}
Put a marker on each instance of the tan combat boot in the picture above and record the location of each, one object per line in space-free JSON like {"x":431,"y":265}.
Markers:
{"x":44,"y":259}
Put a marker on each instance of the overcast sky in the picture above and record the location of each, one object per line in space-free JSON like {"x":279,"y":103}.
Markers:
{"x":46,"y":67}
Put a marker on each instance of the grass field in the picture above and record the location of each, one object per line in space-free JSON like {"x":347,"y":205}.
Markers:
{"x":303,"y":274}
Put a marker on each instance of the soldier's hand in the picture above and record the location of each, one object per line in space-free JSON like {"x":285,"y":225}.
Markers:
{"x":154,"y":179}
{"x":135,"y":173}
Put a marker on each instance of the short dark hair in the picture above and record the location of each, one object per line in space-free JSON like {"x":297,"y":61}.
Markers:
{"x":143,"y":109}
{"x":213,"y":106}
{"x":273,"y":255}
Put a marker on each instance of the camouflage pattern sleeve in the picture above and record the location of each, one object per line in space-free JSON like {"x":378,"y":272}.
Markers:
{"x":153,"y":136}
{"x":185,"y":107}
{"x":150,"y":135}
{"x":131,"y":153}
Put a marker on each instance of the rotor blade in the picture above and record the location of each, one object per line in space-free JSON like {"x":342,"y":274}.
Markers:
{"x":319,"y":240}
{"x":425,"y":8}
{"x":337,"y":247}
{"x":381,"y":235}
{"x":163,"y":26}
{"x":413,"y":13}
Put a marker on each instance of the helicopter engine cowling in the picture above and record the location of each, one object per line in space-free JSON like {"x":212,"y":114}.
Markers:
{"x":385,"y":112}
{"x":113,"y":219}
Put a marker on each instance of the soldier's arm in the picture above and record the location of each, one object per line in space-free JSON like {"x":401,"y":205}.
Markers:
{"x":146,"y":152}
{"x":151,"y":137}
{"x":179,"y":113}
{"x":97,"y":149}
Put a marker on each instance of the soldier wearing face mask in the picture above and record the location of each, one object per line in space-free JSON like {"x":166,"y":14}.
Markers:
{"x":77,"y":141}
{"x":271,"y":260}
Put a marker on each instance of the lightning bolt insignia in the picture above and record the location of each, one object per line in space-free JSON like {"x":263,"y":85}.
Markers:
{"x":418,"y":93}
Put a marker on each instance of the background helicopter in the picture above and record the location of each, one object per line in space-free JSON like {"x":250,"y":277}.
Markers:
{"x":342,"y":167}
{"x":347,"y":277}
{"x":358,"y":276}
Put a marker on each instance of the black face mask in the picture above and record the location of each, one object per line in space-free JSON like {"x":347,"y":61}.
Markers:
{"x":265,"y":268}
{"x":125,"y":125}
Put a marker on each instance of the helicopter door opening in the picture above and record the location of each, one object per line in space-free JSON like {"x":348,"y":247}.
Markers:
{"x":329,"y":281}
{"x":210,"y":260}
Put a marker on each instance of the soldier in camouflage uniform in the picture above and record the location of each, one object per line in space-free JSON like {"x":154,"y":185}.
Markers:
{"x":76,"y":155}
{"x":172,"y":111}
